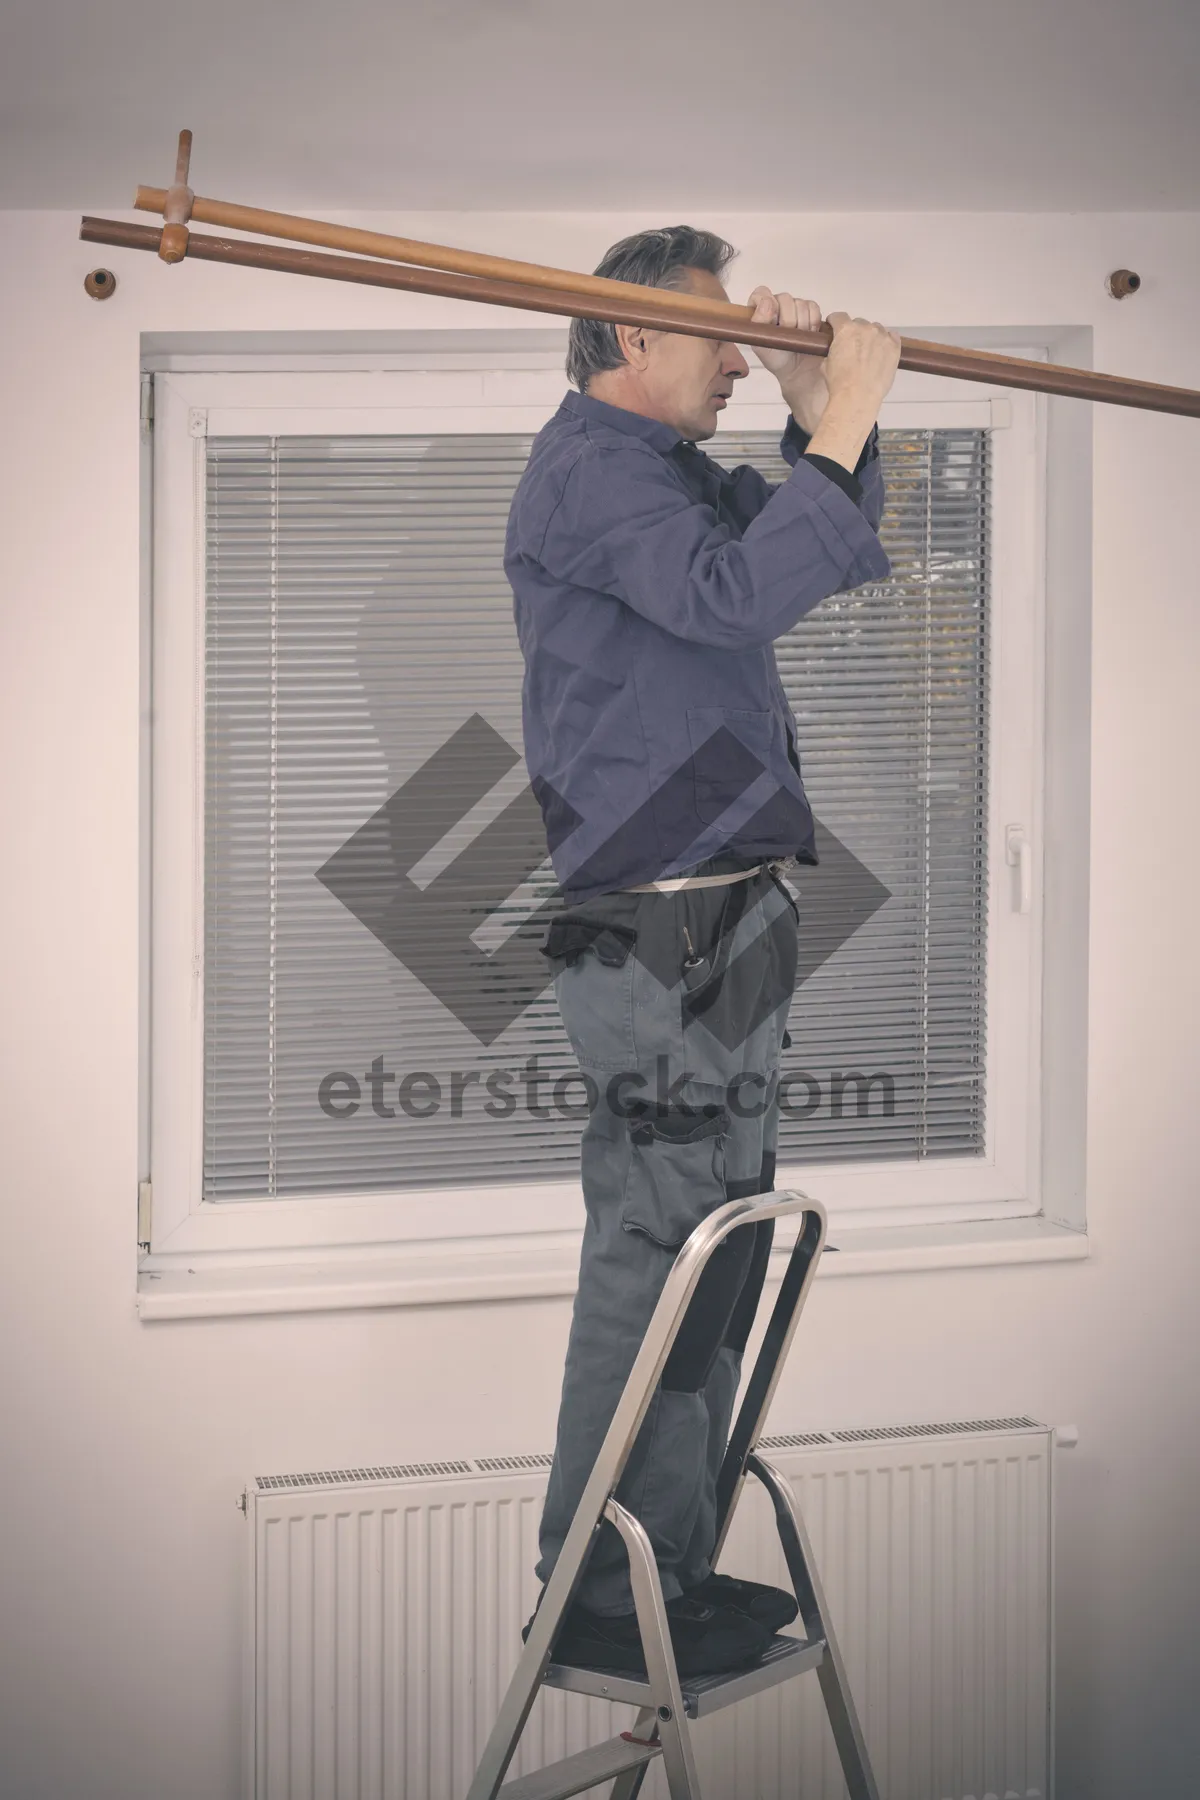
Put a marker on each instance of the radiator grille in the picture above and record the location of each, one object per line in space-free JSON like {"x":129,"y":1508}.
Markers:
{"x":349,"y":1477}
{"x":885,"y":1433}
{"x":541,"y":1459}
{"x":494,"y":1465}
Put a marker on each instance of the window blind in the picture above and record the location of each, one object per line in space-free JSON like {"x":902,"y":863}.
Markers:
{"x":357,"y":621}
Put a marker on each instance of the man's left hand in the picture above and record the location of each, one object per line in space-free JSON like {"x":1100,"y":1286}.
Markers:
{"x":801,"y":378}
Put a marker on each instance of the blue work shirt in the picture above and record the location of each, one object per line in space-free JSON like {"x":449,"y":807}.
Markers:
{"x":649,"y":585}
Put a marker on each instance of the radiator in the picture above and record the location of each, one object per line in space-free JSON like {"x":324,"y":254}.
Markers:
{"x":387,"y":1605}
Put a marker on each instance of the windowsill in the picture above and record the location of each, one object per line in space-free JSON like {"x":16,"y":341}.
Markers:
{"x":458,"y":1274}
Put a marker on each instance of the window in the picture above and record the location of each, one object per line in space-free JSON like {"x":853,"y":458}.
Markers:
{"x":335,"y":664}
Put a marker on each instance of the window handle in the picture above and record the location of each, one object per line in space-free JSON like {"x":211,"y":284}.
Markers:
{"x":1019,"y":851}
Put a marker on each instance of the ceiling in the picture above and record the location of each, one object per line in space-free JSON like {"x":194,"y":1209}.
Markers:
{"x":532,"y":105}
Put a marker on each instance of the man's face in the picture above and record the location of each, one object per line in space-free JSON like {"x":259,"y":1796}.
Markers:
{"x":689,"y":379}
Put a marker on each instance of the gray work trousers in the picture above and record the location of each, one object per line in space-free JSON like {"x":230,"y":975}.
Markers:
{"x":676,"y":1007}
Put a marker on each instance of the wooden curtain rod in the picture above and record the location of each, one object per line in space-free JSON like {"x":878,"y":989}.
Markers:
{"x":621,"y":303}
{"x":328,"y":236}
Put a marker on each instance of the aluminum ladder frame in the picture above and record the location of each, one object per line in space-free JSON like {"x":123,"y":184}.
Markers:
{"x":666,"y":1703}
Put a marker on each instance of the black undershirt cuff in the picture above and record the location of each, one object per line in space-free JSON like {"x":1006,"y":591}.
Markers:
{"x":849,"y":484}
{"x":835,"y":471}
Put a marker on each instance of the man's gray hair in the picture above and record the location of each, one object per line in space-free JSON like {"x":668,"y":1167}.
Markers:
{"x":652,"y":259}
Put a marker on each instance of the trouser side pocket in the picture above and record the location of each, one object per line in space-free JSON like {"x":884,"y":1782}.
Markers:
{"x":676,"y":1173}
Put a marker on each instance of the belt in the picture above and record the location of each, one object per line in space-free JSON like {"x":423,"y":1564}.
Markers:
{"x":676,"y":882}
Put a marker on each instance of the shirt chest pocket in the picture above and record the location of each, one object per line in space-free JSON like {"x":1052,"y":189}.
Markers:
{"x":731,"y":747}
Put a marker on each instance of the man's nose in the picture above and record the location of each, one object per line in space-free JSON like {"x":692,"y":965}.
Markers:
{"x":733,"y":362}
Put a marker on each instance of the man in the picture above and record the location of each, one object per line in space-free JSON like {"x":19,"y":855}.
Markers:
{"x":649,"y":586}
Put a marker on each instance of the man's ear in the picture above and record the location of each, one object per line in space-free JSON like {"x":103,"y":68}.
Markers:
{"x":635,"y":341}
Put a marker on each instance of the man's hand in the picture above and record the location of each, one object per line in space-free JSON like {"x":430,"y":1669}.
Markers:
{"x":859,"y":369}
{"x":801,"y":378}
{"x":862,"y":360}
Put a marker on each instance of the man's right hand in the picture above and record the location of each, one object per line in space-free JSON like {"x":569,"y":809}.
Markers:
{"x":862,"y":360}
{"x":860,"y":367}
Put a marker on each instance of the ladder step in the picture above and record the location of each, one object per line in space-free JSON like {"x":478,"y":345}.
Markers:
{"x":575,"y":1774}
{"x":784,"y":1658}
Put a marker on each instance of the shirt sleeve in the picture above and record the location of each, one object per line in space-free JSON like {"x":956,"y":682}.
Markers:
{"x":747,"y":492}
{"x":845,"y":479}
{"x":626,"y":526}
{"x":863,"y":484}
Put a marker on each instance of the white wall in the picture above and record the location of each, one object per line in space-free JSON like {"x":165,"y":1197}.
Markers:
{"x":126,"y":1445}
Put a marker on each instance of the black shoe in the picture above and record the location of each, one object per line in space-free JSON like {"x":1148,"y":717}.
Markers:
{"x":706,"y":1639}
{"x":770,"y":1607}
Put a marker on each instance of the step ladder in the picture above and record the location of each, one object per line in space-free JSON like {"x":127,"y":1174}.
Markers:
{"x":665,"y":1701}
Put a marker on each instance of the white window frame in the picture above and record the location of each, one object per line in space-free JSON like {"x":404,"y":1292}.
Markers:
{"x":472,"y":393}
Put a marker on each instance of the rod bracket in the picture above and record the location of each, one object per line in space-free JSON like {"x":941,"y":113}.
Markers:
{"x":177,"y":208}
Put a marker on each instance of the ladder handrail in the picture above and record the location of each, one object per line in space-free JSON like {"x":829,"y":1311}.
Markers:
{"x":768,"y":1366}
{"x":614,"y":1453}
